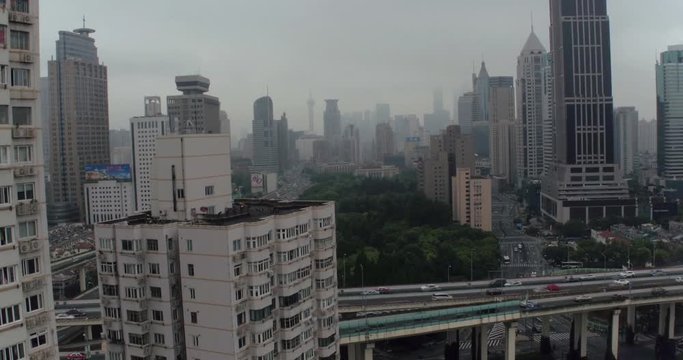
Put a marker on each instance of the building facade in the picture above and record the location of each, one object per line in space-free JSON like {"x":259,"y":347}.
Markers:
{"x":265,"y":132}
{"x":585,"y":182}
{"x":332,"y":121}
{"x":467,"y":110}
{"x":27,"y":325}
{"x":647,"y":136}
{"x":549,"y":157}
{"x":529,"y":129}
{"x":351,"y":145}
{"x":79,"y":120}
{"x":108,"y":200}
{"x":258,"y":277}
{"x":472,"y":200}
{"x":670,"y":116}
{"x":502,"y":124}
{"x":384,"y":141}
{"x":144,"y":133}
{"x":626,"y":138}
{"x":193,"y":112}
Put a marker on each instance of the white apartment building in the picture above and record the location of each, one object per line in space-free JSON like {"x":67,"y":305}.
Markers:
{"x":108,"y":200}
{"x":27,"y":325}
{"x":258,"y":277}
{"x":472,"y":200}
{"x":144,"y":132}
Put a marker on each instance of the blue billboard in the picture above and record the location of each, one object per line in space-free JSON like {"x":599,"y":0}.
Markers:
{"x":118,"y":172}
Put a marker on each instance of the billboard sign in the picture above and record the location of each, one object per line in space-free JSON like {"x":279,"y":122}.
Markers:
{"x":256,"y":182}
{"x":118,"y":172}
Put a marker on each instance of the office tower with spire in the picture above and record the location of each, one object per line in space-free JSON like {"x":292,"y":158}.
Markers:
{"x":585,"y":182}
{"x":480,"y":121}
{"x":145,"y":130}
{"x":529,"y":128}
{"x":79,"y":120}
{"x":670,"y":117}
{"x":265,"y":132}
{"x":311,"y":113}
{"x":193,"y":112}
{"x":27,"y":321}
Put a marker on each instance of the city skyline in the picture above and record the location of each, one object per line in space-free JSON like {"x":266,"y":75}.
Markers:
{"x":392,"y":68}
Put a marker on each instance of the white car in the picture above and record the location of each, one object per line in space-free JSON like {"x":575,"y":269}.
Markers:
{"x":64,"y":316}
{"x":441,"y":296}
{"x":627,"y":274}
{"x":583,"y":298}
{"x":370,"y":292}
{"x":679,"y":279}
{"x":587,"y":277}
{"x":513,"y":283}
{"x":622,"y":282}
{"x":430,"y":287}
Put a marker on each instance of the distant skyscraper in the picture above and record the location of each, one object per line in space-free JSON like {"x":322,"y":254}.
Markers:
{"x":351,"y":145}
{"x":193,"y":112}
{"x":332,"y":123}
{"x":502,"y":123}
{"x":27,"y":316}
{"x":382,"y":113}
{"x":585,"y":183}
{"x":439,"y":119}
{"x":626,"y":138}
{"x":225,"y":122}
{"x":529,"y":128}
{"x":548,"y":123}
{"x":647,"y":136}
{"x":480,"y":120}
{"x":467,"y":110}
{"x":311,"y":114}
{"x":79,"y":120}
{"x":384,"y":141}
{"x":145,"y":130}
{"x":282,"y":142}
{"x":265,"y":136}
{"x":670,"y":116}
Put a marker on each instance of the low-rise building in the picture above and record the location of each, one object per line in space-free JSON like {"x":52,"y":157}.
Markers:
{"x":108,"y":192}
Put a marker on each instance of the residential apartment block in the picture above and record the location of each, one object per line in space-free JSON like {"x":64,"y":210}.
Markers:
{"x":27,"y":325}
{"x":472,"y":200}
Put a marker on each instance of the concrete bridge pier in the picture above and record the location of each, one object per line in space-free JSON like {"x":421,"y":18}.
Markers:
{"x":361,"y":351}
{"x":484,"y":342}
{"x":661,"y":329}
{"x":581,"y":334}
{"x":510,"y":340}
{"x":81,"y":279}
{"x":614,"y":339}
{"x":672,"y":321}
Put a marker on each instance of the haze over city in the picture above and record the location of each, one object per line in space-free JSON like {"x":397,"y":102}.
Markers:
{"x":361,"y":52}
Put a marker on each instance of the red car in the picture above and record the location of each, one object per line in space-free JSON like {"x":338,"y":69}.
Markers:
{"x":383,"y":290}
{"x":76,"y":356}
{"x":552,"y":288}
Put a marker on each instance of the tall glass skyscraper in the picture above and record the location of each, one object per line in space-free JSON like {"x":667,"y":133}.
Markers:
{"x":670,"y":117}
{"x":584,"y":183}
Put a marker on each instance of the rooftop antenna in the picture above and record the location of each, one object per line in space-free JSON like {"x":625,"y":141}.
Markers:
{"x":84,"y":21}
{"x":532,"y":21}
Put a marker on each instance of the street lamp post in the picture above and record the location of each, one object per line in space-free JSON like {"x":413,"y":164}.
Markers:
{"x":448,"y":274}
{"x":653,"y":253}
{"x":344,"y":274}
{"x":471,"y":265}
{"x":604,"y":261}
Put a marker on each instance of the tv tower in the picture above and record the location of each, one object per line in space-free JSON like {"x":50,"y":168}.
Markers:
{"x":310,"y":104}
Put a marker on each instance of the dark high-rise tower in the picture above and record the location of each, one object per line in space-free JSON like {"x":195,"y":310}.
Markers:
{"x":585,"y":183}
{"x":265,"y":136}
{"x":332,"y":121}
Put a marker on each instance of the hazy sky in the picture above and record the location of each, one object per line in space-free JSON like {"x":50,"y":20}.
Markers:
{"x":359,"y":51}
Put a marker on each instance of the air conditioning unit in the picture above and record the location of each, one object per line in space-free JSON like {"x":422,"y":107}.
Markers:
{"x":35,"y":244}
{"x":24,"y":247}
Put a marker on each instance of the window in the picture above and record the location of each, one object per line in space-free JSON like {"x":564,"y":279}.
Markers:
{"x":237,"y":270}
{"x":23,"y":153}
{"x":106,"y":244}
{"x":241,"y":318}
{"x":34,"y":302}
{"x":136,"y":316}
{"x":195,"y":340}
{"x":193,"y":293}
{"x":208,"y":190}
{"x":19,"y":40}
{"x":193,"y":317}
{"x":21,"y":77}
{"x":291,"y":343}
{"x":180,"y":193}
{"x":188,"y":242}
{"x":287,"y":323}
{"x":113,"y":313}
{"x":239,"y":294}
{"x":21,"y":6}
{"x":115,"y":355}
{"x":190,"y":269}
{"x":21,"y":115}
{"x":14,"y":352}
{"x":242,"y":342}
{"x":8,"y":275}
{"x":237,"y":245}
{"x":326,"y":341}
{"x":154,"y":269}
{"x":157,"y":315}
{"x":27,"y":229}
{"x":259,"y":315}
{"x":30,"y":266}
{"x":132,"y":269}
{"x":10,"y":314}
{"x":5,"y":195}
{"x":4,"y":113}
{"x":6,"y":235}
{"x":171,"y":267}
{"x":159,"y":339}
{"x":152,"y":244}
{"x":138,"y":339}
{"x":110,"y":290}
{"x":131,"y":245}
{"x":135,"y":293}
{"x":4,"y":149}
{"x":155,"y":291}
{"x":108,"y":267}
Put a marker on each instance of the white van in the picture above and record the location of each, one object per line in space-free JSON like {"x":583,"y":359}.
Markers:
{"x":441,"y":296}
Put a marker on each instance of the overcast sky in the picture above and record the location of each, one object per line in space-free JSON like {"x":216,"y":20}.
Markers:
{"x":359,"y":51}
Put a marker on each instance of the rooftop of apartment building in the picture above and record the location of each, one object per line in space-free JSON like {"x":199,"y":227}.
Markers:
{"x":243,"y":210}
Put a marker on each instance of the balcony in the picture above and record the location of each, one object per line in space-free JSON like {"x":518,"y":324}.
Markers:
{"x":45,"y":354}
{"x":20,"y":17}
{"x":27,"y":208}
{"x":140,"y":350}
{"x":23,"y":133}
{"x":21,"y":56}
{"x":28,"y":246}
{"x":31,"y":285}
{"x":40,"y":320}
{"x":23,"y":93}
{"x":24,"y":171}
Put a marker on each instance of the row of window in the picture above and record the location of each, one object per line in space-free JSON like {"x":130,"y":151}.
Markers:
{"x":291,"y":232}
{"x":286,"y":256}
{"x":302,"y":273}
{"x":21,"y":115}
{"x":22,"y":154}
{"x":24,"y":192}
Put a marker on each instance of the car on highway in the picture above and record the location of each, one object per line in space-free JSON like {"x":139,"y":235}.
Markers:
{"x":627,"y":274}
{"x":513,"y":283}
{"x":370,"y":292}
{"x":441,"y":296}
{"x":657,"y":272}
{"x":621,"y":282}
{"x":679,"y":279}
{"x":430,"y":287}
{"x":64,"y":316}
{"x":552,"y":288}
{"x":619,"y":297}
{"x":494,"y":291}
{"x":77,"y":313}
{"x":528,"y":304}
{"x":383,"y":290}
{"x":583,"y":298}
{"x":76,"y":356}
{"x":587,"y":277}
{"x":497,"y":283}
{"x":658,"y":291}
